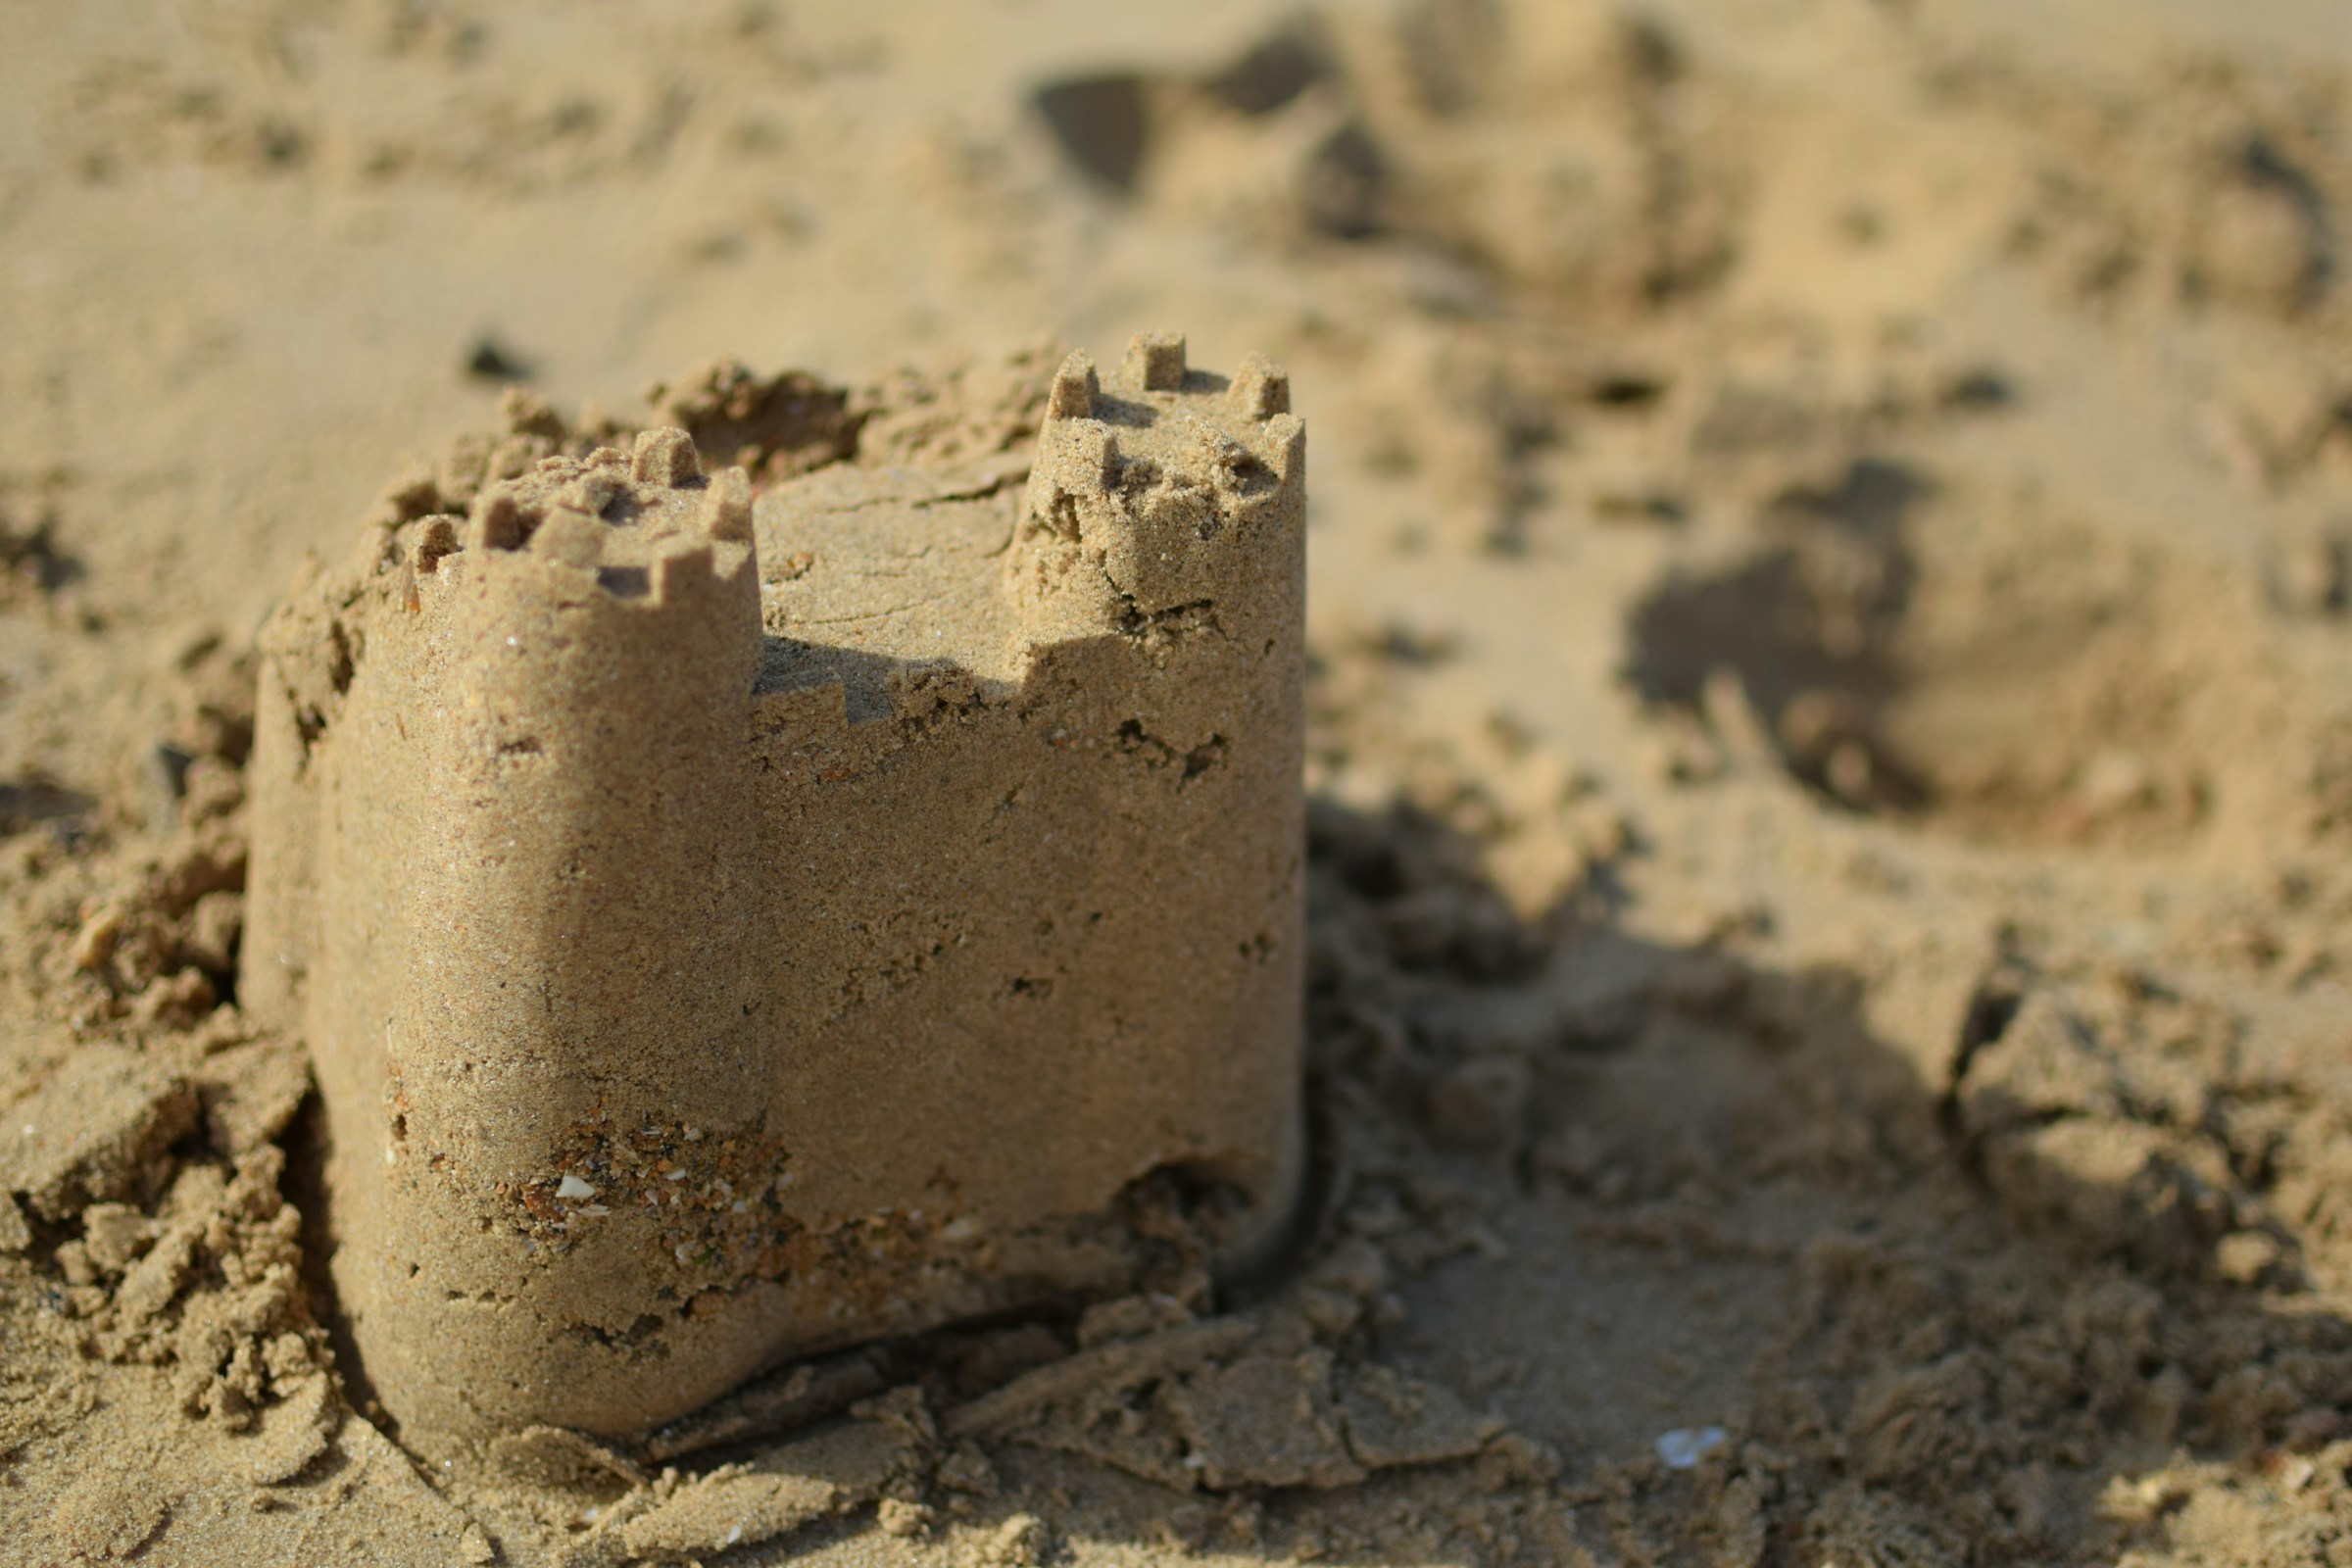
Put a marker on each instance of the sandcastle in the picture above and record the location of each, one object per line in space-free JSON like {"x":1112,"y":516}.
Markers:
{"x":728,"y":926}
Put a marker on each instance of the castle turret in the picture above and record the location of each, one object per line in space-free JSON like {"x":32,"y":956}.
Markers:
{"x":1176,"y":488}
{"x":540,"y":912}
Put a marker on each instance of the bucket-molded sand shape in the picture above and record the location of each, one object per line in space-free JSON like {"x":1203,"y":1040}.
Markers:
{"x":728,"y":928}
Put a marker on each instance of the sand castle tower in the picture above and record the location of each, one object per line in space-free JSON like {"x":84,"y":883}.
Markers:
{"x":731,"y":927}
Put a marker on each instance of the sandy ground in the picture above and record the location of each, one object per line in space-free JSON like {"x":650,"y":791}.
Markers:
{"x":1831,"y":746}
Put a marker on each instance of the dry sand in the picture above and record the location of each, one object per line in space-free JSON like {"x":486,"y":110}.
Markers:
{"x":1830,"y":746}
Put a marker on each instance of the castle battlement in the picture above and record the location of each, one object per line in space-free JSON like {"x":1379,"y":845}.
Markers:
{"x":644,"y":527}
{"x":733,"y":924}
{"x":1167,"y":482}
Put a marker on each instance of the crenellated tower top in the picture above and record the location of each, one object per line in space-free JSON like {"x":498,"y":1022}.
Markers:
{"x":1171,"y":481}
{"x":641,"y":527}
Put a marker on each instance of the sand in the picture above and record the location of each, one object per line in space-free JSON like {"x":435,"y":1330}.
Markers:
{"x":730,"y":926}
{"x":1829,"y":746}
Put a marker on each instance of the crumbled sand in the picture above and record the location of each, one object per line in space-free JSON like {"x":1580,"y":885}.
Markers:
{"x":1829,"y":745}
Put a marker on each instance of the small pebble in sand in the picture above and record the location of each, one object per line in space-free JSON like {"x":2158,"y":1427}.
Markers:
{"x":1684,"y":1447}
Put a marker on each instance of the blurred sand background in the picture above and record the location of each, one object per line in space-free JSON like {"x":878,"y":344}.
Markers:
{"x":1831,"y":593}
